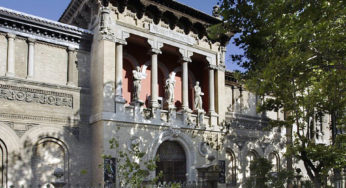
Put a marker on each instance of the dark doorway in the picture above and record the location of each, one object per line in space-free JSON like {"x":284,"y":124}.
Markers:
{"x":172,"y":162}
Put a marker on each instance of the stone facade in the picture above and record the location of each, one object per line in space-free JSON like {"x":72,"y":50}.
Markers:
{"x":66,"y":91}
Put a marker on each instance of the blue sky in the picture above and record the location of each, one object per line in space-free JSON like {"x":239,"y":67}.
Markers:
{"x":53,"y":9}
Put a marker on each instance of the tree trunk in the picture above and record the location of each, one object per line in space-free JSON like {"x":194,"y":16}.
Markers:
{"x":333,"y":124}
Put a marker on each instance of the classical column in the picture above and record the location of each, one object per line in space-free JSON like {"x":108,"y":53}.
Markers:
{"x":185,"y":86}
{"x":211,"y":91}
{"x":155,"y":50}
{"x":71,"y":66}
{"x":120,"y":42}
{"x":118,"y":72}
{"x":11,"y":55}
{"x":31,"y":57}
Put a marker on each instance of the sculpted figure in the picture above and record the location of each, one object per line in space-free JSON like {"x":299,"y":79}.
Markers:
{"x":198,"y":97}
{"x":169,"y":89}
{"x":138,"y":76}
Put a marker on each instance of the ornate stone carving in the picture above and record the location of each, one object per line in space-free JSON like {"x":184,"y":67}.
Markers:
{"x":29,"y":95}
{"x":172,"y":34}
{"x":20,"y":128}
{"x":203,"y":149}
{"x":35,"y":118}
{"x":105,"y":20}
{"x":172,"y":132}
{"x":134,"y":143}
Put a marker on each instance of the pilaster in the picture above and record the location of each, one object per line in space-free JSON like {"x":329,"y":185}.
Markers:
{"x":71,"y":66}
{"x":31,"y":58}
{"x":11,"y":55}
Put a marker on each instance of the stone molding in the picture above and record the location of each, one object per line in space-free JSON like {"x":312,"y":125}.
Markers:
{"x":35,"y":118}
{"x":43,"y":84}
{"x":29,"y":26}
{"x":172,"y":34}
{"x":13,"y":93}
{"x":37,"y":19}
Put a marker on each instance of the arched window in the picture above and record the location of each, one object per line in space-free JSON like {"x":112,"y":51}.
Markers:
{"x":3,"y":164}
{"x":275,"y":160}
{"x":172,"y":162}
{"x":232,"y":176}
{"x":252,"y":155}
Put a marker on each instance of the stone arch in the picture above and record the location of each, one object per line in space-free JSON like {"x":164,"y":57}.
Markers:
{"x":191,"y":82}
{"x":48,"y":154}
{"x":131,"y":59}
{"x":275,"y":160}
{"x":35,"y":134}
{"x":232,"y":167}
{"x":9,"y":137}
{"x":192,"y":77}
{"x":162,"y":75}
{"x":162,"y":68}
{"x":250,"y":156}
{"x":3,"y":164}
{"x":54,"y":134}
{"x":184,"y":141}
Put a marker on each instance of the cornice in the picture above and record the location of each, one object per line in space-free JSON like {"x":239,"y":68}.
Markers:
{"x":197,"y":14}
{"x":66,"y":27}
{"x":38,"y":28}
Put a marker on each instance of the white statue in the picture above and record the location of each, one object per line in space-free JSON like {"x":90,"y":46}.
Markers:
{"x":198,"y":97}
{"x":138,"y":76}
{"x":169,"y":90}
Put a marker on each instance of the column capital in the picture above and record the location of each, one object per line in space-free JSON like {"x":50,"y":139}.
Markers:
{"x":186,"y":55}
{"x":71,"y":49}
{"x":155,"y":51}
{"x":121,"y":37}
{"x":11,"y":35}
{"x":31,"y":40}
{"x":212,"y":67}
{"x":222,"y":48}
{"x":155,"y":46}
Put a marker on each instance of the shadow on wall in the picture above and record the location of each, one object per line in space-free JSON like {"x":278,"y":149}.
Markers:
{"x":39,"y":157}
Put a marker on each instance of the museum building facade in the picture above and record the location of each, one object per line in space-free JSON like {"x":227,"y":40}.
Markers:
{"x":143,"y":72}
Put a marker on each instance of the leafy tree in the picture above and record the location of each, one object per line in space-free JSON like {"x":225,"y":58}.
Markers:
{"x":295,"y":52}
{"x":263,"y":177}
{"x":132,"y":170}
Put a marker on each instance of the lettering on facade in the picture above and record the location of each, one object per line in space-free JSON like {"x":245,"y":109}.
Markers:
{"x":29,"y":95}
{"x":172,"y":34}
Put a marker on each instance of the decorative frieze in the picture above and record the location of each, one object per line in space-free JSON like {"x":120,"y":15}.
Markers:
{"x":172,"y":34}
{"x":29,"y":95}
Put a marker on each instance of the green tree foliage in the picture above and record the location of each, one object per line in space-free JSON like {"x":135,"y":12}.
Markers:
{"x":295,"y":52}
{"x":263,"y":177}
{"x":132,"y":169}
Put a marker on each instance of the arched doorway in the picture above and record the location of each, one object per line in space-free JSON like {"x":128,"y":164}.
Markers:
{"x":275,"y":160}
{"x":172,"y":162}
{"x":231,"y":175}
{"x":251,"y":156}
